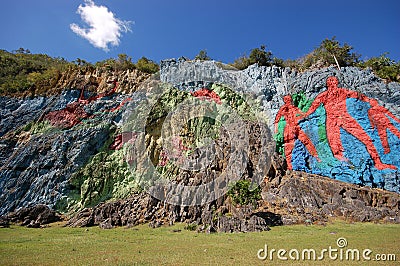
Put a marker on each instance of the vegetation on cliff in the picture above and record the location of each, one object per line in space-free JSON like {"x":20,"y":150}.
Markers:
{"x":21,"y":70}
{"x":23,"y":73}
{"x":329,"y":52}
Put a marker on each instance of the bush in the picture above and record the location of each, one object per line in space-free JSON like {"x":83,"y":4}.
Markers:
{"x":242,"y":193}
{"x":257,"y":55}
{"x":147,"y":65}
{"x":191,"y":227}
{"x":203,"y":56}
{"x":21,"y":71}
{"x":261,"y":56}
{"x":123,"y":63}
{"x":383,"y":67}
{"x":325,"y":54}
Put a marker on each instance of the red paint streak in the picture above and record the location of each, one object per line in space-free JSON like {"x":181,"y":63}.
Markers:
{"x":117,"y":144}
{"x":98,"y":96}
{"x":74,"y":112}
{"x":67,"y":117}
{"x":378,"y":117}
{"x":207,"y":95}
{"x":120,"y":105}
{"x":129,"y":137}
{"x":292,"y":130}
{"x":163,"y":159}
{"x":337,"y":117}
{"x":121,"y":139}
{"x":179,"y":143}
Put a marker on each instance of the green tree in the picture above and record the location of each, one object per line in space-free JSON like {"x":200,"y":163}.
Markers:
{"x":257,"y":55}
{"x":125,"y":62}
{"x":383,"y":67}
{"x":242,"y":193}
{"x":241,"y":63}
{"x":330,"y":52}
{"x":22,"y":71}
{"x":202,"y":55}
{"x":261,"y":56}
{"x":147,"y":65}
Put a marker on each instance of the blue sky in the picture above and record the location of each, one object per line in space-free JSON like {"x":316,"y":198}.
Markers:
{"x":225,"y":29}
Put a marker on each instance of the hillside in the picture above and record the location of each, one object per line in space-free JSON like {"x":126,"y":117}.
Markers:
{"x":196,"y":143}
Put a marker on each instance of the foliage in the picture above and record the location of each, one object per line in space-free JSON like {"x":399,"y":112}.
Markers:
{"x":21,"y":71}
{"x":202,"y":55}
{"x":257,"y":55}
{"x":384,"y":67}
{"x":122,"y":63}
{"x":325,"y":54}
{"x":24,"y":73}
{"x":241,"y":63}
{"x":278,"y":62}
{"x":260,"y":56}
{"x":147,"y":65}
{"x":329,"y":49}
{"x":81,"y":62}
{"x":191,"y":227}
{"x":292,"y":63}
{"x":242,"y":193}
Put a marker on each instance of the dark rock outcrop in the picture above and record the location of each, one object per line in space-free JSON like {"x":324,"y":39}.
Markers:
{"x":4,"y":222}
{"x":34,"y":217}
{"x":142,"y":208}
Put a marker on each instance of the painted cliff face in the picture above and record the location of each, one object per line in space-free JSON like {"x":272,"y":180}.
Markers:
{"x":342,"y":134}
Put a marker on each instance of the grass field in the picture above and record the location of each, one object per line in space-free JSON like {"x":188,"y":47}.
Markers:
{"x":141,"y":245}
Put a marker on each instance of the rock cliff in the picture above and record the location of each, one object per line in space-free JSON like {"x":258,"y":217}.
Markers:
{"x":121,"y":148}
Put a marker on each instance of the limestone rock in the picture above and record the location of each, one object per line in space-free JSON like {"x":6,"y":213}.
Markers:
{"x":301,"y":197}
{"x":71,"y":167}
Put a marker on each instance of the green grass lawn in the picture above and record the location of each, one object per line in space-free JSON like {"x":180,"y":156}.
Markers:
{"x":57,"y":245}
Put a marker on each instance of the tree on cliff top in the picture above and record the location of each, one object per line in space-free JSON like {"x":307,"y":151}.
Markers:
{"x":330,"y":52}
{"x":202,"y":55}
{"x":257,"y":55}
{"x":20,"y":70}
{"x":147,"y":65}
{"x":384,"y":67}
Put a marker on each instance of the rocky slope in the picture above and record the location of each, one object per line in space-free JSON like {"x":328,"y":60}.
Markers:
{"x":121,"y":148}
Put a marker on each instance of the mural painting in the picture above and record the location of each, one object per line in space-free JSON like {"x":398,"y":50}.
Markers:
{"x":342,"y":134}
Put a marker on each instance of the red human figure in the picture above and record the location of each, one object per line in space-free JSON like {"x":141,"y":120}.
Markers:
{"x":293,"y":130}
{"x":337,"y":117}
{"x":378,"y":117}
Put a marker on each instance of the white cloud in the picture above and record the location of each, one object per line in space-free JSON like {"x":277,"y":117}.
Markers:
{"x":104,"y":27}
